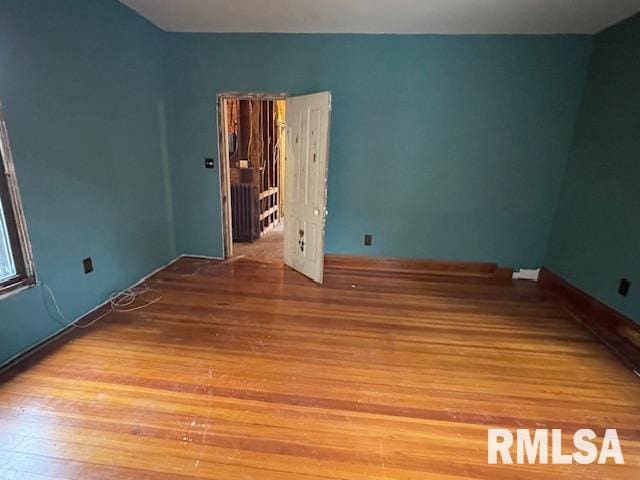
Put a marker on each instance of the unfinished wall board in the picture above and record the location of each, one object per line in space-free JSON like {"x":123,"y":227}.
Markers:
{"x":253,"y":140}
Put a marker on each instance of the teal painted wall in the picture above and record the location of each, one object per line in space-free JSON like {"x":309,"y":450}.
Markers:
{"x":596,"y":234}
{"x":81,"y":83}
{"x":448,"y":147}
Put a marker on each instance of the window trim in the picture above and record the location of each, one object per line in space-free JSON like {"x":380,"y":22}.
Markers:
{"x":14,"y":216}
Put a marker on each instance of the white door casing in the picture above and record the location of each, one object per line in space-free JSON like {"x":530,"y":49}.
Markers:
{"x":307,"y":159}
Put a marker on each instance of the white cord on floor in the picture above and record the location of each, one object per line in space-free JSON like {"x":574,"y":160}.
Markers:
{"x":118,"y":302}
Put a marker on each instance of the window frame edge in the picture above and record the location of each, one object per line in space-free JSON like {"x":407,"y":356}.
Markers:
{"x":26,"y":278}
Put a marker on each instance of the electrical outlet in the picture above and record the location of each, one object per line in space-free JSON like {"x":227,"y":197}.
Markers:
{"x":209,"y":163}
{"x":623,"y":287}
{"x":368,"y":239}
{"x":87,"y":263}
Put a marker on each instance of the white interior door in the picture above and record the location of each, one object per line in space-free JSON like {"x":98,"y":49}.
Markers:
{"x":307,"y":159}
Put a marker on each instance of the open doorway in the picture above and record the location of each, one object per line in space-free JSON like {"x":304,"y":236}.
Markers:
{"x":252,"y":147}
{"x":274,"y":157}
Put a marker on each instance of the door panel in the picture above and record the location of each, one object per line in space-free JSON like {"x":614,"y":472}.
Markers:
{"x":306,"y":179}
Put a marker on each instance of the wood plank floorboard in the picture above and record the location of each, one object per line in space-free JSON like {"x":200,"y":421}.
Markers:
{"x":270,"y":246}
{"x":247,"y":370}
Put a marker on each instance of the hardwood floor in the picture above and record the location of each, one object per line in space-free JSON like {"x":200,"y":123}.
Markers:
{"x":247,"y":370}
{"x":269,"y":247}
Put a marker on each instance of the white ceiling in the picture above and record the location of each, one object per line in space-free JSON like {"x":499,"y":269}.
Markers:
{"x":385,"y":16}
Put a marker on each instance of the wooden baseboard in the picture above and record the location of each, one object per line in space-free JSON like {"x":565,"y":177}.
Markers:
{"x":28,"y":357}
{"x":617,"y":331}
{"x":409,"y":267}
